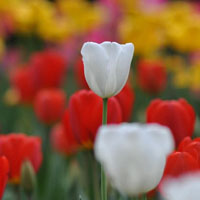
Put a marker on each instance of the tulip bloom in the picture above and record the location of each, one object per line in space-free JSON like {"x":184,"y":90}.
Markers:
{"x":85,"y":114}
{"x":18,"y":148}
{"x":48,"y":68}
{"x":178,"y":115}
{"x":182,"y":188}
{"x":22,"y":81}
{"x":106,"y":66}
{"x":62,"y":137}
{"x":179,"y":163}
{"x":152,"y":76}
{"x":126,"y":100}
{"x":63,"y":141}
{"x":49,"y":105}
{"x":133,"y":155}
{"x":191,"y":146}
{"x":4,"y":169}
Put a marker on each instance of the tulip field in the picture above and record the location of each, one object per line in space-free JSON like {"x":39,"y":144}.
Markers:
{"x":99,"y":100}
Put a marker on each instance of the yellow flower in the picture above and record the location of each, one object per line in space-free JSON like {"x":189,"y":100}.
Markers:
{"x":181,"y":79}
{"x":195,"y":77}
{"x":144,"y":30}
{"x":82,"y":15}
{"x":1,"y":48}
{"x":182,"y":26}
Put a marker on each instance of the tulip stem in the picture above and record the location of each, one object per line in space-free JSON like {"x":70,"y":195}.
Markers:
{"x":103,"y":176}
{"x":105,"y":106}
{"x":144,"y":197}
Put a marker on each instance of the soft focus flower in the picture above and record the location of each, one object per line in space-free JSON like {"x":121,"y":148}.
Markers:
{"x":48,"y":68}
{"x":178,"y":115}
{"x":23,"y":83}
{"x":179,"y":163}
{"x":85,"y":113}
{"x":17,"y":148}
{"x":49,"y":105}
{"x":133,"y":155}
{"x":126,"y":100}
{"x":152,"y":76}
{"x":4,"y":169}
{"x":106,"y":66}
{"x":182,"y":188}
{"x":135,"y":25}
{"x":191,"y":146}
{"x":62,"y":137}
{"x":185,"y":160}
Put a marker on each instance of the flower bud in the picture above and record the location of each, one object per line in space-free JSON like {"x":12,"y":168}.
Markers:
{"x":28,"y":179}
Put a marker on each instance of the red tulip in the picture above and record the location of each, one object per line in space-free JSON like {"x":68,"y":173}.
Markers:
{"x":152,"y":76}
{"x":22,"y":81}
{"x":178,"y":115}
{"x":62,"y":137}
{"x":192,"y":147}
{"x":179,"y":163}
{"x":4,"y":169}
{"x":48,"y":68}
{"x":79,"y":73}
{"x":49,"y":105}
{"x":18,"y":148}
{"x":85,"y":110}
{"x":126,"y":100}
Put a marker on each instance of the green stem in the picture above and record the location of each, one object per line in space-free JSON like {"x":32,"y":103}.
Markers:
{"x":90,"y":175}
{"x":17,"y":192}
{"x":144,"y":197}
{"x":103,"y":177}
{"x":105,"y":110}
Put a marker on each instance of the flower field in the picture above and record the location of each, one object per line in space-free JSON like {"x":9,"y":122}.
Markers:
{"x":99,"y":100}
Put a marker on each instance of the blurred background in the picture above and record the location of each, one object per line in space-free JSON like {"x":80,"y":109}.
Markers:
{"x":40,"y":44}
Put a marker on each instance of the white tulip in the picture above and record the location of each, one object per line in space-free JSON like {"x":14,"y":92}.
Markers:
{"x":107,"y":66}
{"x":186,"y":187}
{"x":133,"y":155}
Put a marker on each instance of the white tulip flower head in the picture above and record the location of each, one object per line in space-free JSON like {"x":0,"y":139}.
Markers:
{"x":185,"y":187}
{"x":107,"y":66}
{"x":133,"y":155}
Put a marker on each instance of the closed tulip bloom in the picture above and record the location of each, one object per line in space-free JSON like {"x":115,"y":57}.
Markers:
{"x":133,"y":155}
{"x":4,"y":169}
{"x":178,"y":115}
{"x":152,"y":76}
{"x":17,"y":148}
{"x":22,"y":81}
{"x":126,"y":100}
{"x":48,"y":68}
{"x":49,"y":105}
{"x":106,"y":66}
{"x":85,"y":114}
{"x":186,"y":187}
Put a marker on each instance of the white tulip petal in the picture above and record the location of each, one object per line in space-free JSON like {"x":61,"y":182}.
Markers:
{"x":123,"y":65}
{"x":186,"y":187}
{"x":132,"y":156}
{"x":106,"y":66}
{"x":95,"y":62}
